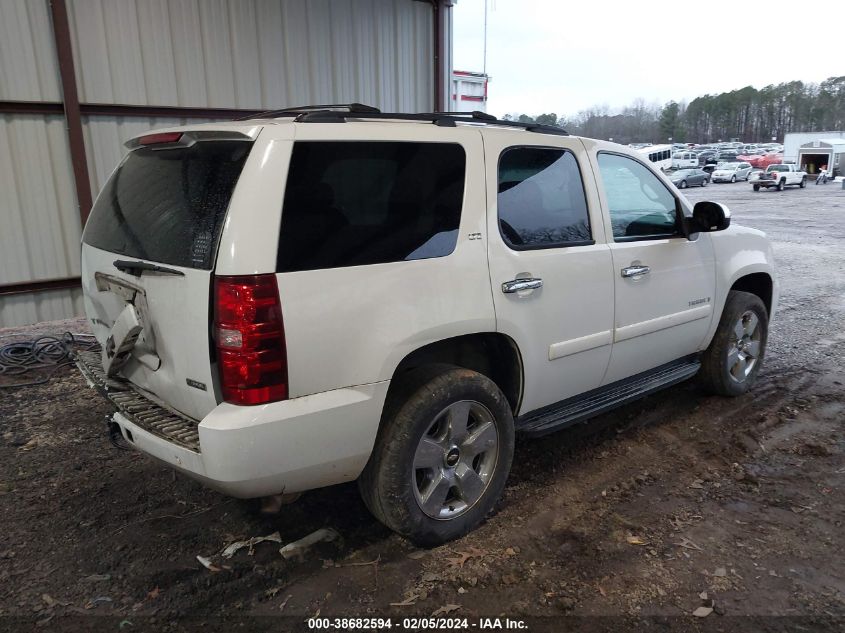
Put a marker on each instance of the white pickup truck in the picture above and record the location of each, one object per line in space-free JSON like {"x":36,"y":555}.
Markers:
{"x":780,"y":176}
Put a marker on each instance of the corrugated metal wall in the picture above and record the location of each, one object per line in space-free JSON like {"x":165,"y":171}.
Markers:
{"x":28,"y":67}
{"x":252,"y":54}
{"x":40,"y":231}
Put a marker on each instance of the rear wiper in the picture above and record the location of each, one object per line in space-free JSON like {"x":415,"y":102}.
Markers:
{"x":136,"y":268}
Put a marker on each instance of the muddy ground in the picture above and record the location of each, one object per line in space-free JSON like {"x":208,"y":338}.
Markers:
{"x":635,"y":514}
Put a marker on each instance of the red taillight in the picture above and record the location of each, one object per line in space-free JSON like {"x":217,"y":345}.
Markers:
{"x":159,"y":138}
{"x":250,"y":339}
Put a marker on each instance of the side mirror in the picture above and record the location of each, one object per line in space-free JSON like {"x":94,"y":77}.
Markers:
{"x":707,"y":217}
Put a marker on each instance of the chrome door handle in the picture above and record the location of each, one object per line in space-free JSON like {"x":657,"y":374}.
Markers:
{"x":515,"y":285}
{"x":635,"y":271}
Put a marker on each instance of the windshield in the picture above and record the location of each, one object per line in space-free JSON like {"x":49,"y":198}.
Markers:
{"x":168,"y":205}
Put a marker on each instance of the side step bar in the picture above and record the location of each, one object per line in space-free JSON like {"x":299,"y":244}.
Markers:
{"x":588,"y":405}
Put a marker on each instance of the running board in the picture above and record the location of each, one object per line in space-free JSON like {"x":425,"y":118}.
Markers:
{"x":588,"y":405}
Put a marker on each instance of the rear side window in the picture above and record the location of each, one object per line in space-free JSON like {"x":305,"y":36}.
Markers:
{"x":350,"y":203}
{"x":541,"y":199}
{"x":168,"y":205}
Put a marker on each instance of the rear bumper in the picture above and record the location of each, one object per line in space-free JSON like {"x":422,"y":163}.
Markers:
{"x":289,"y":446}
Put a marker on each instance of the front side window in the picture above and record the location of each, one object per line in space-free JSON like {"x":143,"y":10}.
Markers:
{"x":640,"y":205}
{"x":355,"y":203}
{"x":541,"y":202}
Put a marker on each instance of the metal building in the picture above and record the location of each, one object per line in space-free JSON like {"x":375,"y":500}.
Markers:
{"x":79,"y":77}
{"x":793,"y":141}
{"x":827,"y":153}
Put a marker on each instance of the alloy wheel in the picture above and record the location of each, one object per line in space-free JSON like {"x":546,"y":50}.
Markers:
{"x":455,"y":460}
{"x":744,"y":348}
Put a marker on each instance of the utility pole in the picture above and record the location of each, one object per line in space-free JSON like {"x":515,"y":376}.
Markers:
{"x":484,"y":63}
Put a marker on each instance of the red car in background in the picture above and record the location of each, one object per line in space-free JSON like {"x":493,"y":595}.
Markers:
{"x":761,"y":161}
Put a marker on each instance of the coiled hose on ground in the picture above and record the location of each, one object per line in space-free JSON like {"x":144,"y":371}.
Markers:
{"x":49,"y":353}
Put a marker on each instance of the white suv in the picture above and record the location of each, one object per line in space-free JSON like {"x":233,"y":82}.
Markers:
{"x":326,"y":294}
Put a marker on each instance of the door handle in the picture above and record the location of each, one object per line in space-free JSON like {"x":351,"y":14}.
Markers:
{"x":515,"y":285}
{"x":635,"y":271}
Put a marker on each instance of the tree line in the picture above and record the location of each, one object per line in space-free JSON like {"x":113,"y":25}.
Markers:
{"x":747,"y":114}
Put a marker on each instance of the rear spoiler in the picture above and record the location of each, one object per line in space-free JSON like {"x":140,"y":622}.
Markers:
{"x":185,"y":139}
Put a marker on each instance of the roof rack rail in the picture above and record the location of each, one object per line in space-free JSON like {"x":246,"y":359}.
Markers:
{"x":297,"y":110}
{"x":442,"y":119}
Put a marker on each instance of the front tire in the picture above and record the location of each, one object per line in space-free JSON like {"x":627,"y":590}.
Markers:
{"x":780,"y":185}
{"x":704,"y":182}
{"x":442,"y":457}
{"x":803,"y":182}
{"x":683,"y":184}
{"x":730,"y":365}
{"x":733,"y":178}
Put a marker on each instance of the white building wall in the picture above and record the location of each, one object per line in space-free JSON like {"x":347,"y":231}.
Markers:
{"x":794,"y":140}
{"x":255,"y":54}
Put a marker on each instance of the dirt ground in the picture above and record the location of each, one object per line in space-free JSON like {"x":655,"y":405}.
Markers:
{"x":636,"y":514}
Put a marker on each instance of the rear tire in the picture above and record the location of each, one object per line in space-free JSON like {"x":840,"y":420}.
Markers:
{"x":732,"y":361}
{"x":442,"y":456}
{"x":704,"y":182}
{"x":683,"y":184}
{"x":756,"y":187}
{"x":733,"y":178}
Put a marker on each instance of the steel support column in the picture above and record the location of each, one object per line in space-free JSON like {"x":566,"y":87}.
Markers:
{"x":70,"y":97}
{"x":439,"y":53}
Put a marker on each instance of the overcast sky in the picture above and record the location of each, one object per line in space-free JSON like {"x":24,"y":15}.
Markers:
{"x":564,"y":56}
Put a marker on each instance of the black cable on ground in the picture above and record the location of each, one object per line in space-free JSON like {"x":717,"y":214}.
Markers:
{"x":42,"y":353}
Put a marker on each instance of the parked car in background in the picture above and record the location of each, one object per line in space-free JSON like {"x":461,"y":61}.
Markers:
{"x":761,"y":162}
{"x":731,"y":172}
{"x":706,"y":154}
{"x":681,"y":160}
{"x":684,"y":178}
{"x":727,"y":154}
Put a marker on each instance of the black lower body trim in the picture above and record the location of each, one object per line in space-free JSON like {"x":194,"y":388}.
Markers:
{"x":592,"y":403}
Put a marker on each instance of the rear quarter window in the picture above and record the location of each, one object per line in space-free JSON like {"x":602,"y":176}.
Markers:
{"x":354,"y":203}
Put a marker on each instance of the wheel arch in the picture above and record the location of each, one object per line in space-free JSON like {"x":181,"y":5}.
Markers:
{"x":760,"y":284}
{"x":492,"y":354}
{"x":745,"y":261}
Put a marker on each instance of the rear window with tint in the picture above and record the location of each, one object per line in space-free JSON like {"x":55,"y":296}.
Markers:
{"x":168,"y":205}
{"x":350,"y":203}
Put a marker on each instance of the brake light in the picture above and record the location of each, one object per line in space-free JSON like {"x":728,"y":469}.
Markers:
{"x":159,"y":138}
{"x":250,"y":339}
